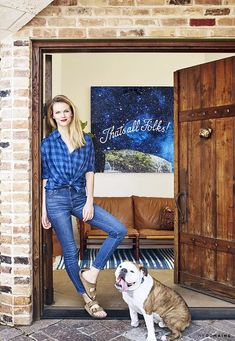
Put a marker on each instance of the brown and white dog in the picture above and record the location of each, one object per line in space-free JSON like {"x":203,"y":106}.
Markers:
{"x":155,"y":301}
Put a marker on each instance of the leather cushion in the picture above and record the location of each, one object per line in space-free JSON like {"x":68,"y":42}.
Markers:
{"x":119,"y":207}
{"x":94,"y":232}
{"x":147,"y":210}
{"x":144,"y":233}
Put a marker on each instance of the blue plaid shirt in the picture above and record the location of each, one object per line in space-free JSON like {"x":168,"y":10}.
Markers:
{"x":63,"y":168}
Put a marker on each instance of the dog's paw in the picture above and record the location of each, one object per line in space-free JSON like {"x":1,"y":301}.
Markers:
{"x":161,"y":324}
{"x":151,"y":338}
{"x":135,"y":324}
{"x":164,"y":337}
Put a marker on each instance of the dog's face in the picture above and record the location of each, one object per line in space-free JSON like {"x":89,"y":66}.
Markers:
{"x":129,"y":276}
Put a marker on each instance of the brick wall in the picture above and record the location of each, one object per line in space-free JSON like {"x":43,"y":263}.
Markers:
{"x":15,"y":268}
{"x":70,"y":19}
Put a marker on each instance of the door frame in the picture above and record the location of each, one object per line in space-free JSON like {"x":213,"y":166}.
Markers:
{"x":41,"y":47}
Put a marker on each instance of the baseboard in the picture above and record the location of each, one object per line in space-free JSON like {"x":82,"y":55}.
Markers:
{"x":123,"y":314}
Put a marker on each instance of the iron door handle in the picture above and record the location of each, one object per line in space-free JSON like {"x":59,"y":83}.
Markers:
{"x":182,"y":217}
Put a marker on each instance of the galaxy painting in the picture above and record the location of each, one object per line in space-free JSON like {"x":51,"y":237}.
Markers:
{"x":133,"y":128}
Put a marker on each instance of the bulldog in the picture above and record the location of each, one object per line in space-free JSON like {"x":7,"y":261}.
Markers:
{"x":155,"y":301}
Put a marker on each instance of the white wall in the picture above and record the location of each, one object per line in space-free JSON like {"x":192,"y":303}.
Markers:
{"x":74,"y":74}
{"x":209,"y":57}
{"x":57,"y":69}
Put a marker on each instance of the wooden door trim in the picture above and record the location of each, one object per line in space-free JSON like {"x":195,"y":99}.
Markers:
{"x":39,"y":48}
{"x":47,"y":234}
{"x":135,"y":45}
{"x":38,"y":301}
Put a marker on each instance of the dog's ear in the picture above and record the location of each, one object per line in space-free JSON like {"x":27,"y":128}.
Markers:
{"x":143,"y":269}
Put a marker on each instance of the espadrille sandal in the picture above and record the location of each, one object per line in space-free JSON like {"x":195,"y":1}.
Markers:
{"x":89,"y":287}
{"x":93,"y":308}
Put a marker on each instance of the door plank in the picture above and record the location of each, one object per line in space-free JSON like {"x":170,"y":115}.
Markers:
{"x":194,"y":175}
{"x":193,"y":195}
{"x":183,"y":258}
{"x":208,"y":202}
{"x":197,"y":261}
{"x":183,"y":136}
{"x":225,"y":197}
{"x":207,"y":85}
{"x":208,"y":182}
{"x":209,"y":264}
{"x":225,"y":268}
{"x":183,"y":98}
{"x":193,"y":102}
{"x":224,"y":177}
{"x":223,"y":85}
{"x":230,"y":269}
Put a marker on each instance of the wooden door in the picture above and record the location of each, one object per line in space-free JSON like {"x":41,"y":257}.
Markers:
{"x":47,"y":234}
{"x":205,"y":177}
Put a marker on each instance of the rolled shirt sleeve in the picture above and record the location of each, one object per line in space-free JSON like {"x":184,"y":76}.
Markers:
{"x":91,"y":161}
{"x":45,"y":168}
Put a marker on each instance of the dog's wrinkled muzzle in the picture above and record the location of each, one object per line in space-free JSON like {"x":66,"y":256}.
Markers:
{"x":121,"y":283}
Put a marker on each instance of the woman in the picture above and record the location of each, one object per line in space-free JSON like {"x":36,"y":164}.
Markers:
{"x":68,"y":182}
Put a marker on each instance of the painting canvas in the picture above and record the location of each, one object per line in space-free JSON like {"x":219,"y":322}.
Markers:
{"x":132,"y":128}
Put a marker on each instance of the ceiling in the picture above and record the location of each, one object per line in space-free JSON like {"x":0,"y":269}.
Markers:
{"x":14,"y":14}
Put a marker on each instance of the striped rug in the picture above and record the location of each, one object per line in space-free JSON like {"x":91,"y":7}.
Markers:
{"x":150,"y":258}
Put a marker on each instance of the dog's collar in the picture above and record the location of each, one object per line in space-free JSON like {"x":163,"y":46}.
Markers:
{"x":131,"y":293}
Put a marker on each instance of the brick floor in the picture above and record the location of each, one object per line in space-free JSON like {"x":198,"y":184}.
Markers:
{"x":116,"y":330}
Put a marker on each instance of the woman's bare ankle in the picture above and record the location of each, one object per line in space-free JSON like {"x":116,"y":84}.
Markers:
{"x":91,"y":275}
{"x":86,"y":298}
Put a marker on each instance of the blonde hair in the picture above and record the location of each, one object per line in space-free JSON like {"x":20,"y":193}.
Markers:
{"x":75,"y":128}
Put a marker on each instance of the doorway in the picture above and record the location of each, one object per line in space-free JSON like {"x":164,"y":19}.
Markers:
{"x":150,"y":48}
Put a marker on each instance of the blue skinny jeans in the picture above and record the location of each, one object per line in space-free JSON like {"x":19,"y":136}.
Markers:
{"x":64,"y":202}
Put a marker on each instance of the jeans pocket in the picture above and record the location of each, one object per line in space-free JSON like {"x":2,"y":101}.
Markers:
{"x":51,"y":192}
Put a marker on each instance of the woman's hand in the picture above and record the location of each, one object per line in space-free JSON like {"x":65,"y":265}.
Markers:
{"x":88,"y":211}
{"x":45,"y":222}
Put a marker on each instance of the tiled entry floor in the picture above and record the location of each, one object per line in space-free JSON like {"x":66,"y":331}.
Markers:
{"x":94,"y":330}
{"x":109,"y":297}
